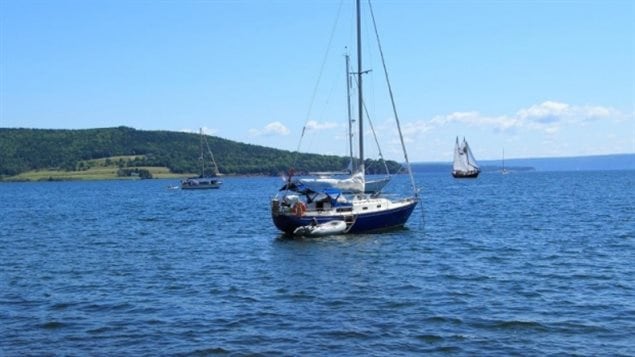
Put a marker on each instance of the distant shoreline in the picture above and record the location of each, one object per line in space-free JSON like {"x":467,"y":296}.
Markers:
{"x":66,"y":176}
{"x":613,"y":162}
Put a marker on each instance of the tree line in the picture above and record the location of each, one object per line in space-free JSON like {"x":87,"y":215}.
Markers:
{"x":24,"y":150}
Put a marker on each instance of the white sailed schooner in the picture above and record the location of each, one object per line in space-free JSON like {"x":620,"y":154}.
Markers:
{"x":465,"y":165}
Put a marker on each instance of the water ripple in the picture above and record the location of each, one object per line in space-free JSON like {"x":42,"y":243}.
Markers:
{"x":532,"y":264}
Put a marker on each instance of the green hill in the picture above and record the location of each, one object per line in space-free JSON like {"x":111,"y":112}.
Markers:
{"x":25,"y":150}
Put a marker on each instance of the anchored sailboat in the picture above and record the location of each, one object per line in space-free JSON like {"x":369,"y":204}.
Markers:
{"x":205,"y":180}
{"x":465,"y":165}
{"x":301,"y":204}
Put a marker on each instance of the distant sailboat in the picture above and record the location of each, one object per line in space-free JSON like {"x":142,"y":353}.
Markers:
{"x":465,"y":165}
{"x":204,"y":180}
{"x":504,"y":171}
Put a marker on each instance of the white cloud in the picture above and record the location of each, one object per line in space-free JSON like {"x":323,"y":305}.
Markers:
{"x":206,"y":131}
{"x":419,"y":127}
{"x":462,"y":116}
{"x":556,"y":112}
{"x":546,"y":116}
{"x":546,"y":112}
{"x":314,"y":125}
{"x":209,"y":131}
{"x":271,"y":129}
{"x":551,"y":130}
{"x":552,"y":121}
{"x":476,"y":119}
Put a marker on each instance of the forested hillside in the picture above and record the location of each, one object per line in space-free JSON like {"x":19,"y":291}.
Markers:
{"x":23,"y":150}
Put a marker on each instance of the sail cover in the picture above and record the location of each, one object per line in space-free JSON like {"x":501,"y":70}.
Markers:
{"x":353,"y":184}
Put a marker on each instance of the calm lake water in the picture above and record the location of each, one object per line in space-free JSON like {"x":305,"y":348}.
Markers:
{"x":522,"y":264}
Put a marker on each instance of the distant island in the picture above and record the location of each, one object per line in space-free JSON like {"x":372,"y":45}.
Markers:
{"x":580,"y":163}
{"x":123,"y":152}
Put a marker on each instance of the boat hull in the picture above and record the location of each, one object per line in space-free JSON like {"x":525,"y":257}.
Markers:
{"x":364,"y":222}
{"x":200,"y":184}
{"x":465,"y":175}
{"x":202,"y":187}
{"x":319,"y":230}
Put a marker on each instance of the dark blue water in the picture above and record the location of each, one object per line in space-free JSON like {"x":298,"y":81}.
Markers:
{"x":522,"y":264}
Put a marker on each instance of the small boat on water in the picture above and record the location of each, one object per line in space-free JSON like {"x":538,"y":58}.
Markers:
{"x":464,"y":165}
{"x":504,"y":171}
{"x":204,"y":180}
{"x":200,"y":183}
{"x":321,"y":229}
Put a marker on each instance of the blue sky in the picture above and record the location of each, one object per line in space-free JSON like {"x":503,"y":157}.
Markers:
{"x":535,"y":78}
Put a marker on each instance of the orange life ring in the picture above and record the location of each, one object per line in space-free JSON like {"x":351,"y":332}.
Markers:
{"x":299,"y":208}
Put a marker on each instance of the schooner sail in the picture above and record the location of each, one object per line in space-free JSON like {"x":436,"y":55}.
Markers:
{"x":464,"y":165}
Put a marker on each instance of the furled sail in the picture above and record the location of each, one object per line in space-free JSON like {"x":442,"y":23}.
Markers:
{"x":352,"y":184}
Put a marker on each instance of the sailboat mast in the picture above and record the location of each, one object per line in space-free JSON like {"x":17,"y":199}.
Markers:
{"x":348,"y":108}
{"x":360,"y":104}
{"x":202,"y":157}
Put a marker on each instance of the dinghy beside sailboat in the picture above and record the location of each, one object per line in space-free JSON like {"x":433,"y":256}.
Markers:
{"x":319,"y":230}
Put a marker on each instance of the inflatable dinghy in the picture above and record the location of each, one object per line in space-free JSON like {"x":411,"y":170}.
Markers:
{"x":322,"y":229}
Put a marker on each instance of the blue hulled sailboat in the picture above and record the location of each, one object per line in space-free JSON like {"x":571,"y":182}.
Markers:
{"x":305,"y":203}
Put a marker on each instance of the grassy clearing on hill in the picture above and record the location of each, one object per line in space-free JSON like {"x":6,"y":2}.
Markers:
{"x":96,"y":169}
{"x":99,"y":173}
